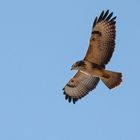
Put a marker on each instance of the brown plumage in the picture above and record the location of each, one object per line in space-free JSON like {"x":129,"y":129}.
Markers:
{"x":92,"y":68}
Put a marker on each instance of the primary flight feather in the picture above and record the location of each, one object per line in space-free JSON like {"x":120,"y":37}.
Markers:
{"x":92,"y":68}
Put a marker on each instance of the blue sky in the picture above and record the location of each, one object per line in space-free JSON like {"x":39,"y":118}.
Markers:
{"x":39,"y":41}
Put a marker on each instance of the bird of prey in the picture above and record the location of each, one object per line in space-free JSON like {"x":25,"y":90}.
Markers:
{"x":92,"y":68}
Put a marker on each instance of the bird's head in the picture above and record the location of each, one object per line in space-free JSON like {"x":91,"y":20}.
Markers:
{"x":78,"y":65}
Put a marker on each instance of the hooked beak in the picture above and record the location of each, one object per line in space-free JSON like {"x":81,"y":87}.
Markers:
{"x":71,"y":68}
{"x":74,"y":68}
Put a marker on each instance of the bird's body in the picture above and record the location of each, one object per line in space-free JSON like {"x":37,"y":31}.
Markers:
{"x":95,"y":70}
{"x":92,"y":68}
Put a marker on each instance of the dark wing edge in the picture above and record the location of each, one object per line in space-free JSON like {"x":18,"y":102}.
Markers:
{"x":104,"y":16}
{"x":79,"y":86}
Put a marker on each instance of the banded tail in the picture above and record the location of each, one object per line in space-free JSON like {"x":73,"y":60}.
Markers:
{"x":112,"y":79}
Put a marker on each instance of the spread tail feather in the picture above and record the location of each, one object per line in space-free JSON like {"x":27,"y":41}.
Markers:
{"x":112,"y":80}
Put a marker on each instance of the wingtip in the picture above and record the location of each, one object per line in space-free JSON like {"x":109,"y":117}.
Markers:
{"x":75,"y":100}
{"x":104,"y":16}
{"x":67,"y":97}
{"x":109,"y":16}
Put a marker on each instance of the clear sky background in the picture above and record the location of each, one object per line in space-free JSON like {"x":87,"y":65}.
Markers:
{"x":39,"y":41}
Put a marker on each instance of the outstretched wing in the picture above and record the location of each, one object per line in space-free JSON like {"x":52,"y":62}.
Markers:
{"x":79,"y":86}
{"x":102,"y":41}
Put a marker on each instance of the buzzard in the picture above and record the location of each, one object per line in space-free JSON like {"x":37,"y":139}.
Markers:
{"x":92,"y":68}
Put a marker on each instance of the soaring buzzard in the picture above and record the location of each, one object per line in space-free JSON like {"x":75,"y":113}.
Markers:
{"x":92,"y":68}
